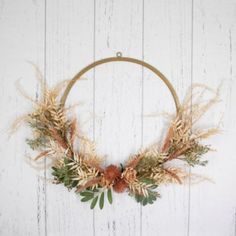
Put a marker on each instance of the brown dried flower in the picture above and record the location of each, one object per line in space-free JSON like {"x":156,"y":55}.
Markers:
{"x":112,"y":173}
{"x":120,"y":186}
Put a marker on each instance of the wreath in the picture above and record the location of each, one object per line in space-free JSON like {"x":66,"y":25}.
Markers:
{"x":79,"y":167}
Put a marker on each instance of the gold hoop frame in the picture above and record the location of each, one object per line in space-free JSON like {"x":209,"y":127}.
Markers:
{"x":120,"y":58}
{"x":82,"y":169}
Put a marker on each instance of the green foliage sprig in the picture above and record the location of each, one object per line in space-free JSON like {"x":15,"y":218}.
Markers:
{"x":80,"y":169}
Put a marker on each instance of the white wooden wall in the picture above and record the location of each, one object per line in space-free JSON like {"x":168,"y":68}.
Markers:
{"x":189,"y":41}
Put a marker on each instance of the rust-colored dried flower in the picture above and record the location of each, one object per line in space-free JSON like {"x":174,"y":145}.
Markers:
{"x":120,"y":186}
{"x":112,"y":173}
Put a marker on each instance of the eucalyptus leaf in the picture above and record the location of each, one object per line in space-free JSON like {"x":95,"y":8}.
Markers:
{"x":87,"y":194}
{"x":94,"y":202}
{"x":85,"y":199}
{"x":101,"y":200}
{"x":109,"y":196}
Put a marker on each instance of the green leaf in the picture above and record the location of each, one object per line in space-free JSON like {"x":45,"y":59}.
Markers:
{"x":85,"y":199}
{"x":145,"y":201}
{"x":109,"y":196}
{"x":67,"y":161}
{"x":87,"y":194}
{"x":94,"y":202}
{"x":74,"y":183}
{"x":153,"y":186}
{"x":150,"y":200}
{"x":101,"y":200}
{"x":153,"y":197}
{"x":147,"y":180}
{"x":138,"y":198}
{"x":54,"y":168}
{"x":194,"y":154}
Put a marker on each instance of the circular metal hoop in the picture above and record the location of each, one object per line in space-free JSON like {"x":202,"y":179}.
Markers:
{"x":124,"y":59}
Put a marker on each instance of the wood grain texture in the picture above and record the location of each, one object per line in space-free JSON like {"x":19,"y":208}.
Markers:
{"x":69,"y":38}
{"x":22,"y":204}
{"x":118,"y":104}
{"x":172,"y":55}
{"x":212,"y":205}
{"x":120,"y":107}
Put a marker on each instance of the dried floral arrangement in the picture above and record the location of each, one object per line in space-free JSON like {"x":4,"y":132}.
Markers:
{"x":80,"y":167}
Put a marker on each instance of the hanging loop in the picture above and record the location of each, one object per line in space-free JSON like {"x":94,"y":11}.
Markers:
{"x":119,"y":54}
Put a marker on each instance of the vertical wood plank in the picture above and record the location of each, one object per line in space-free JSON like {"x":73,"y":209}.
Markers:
{"x":213,"y":205}
{"x":118,"y":104}
{"x":22,"y":203}
{"x":69,"y":48}
{"x":167,"y":45}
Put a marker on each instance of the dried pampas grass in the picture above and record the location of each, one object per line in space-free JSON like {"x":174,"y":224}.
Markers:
{"x":75,"y":163}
